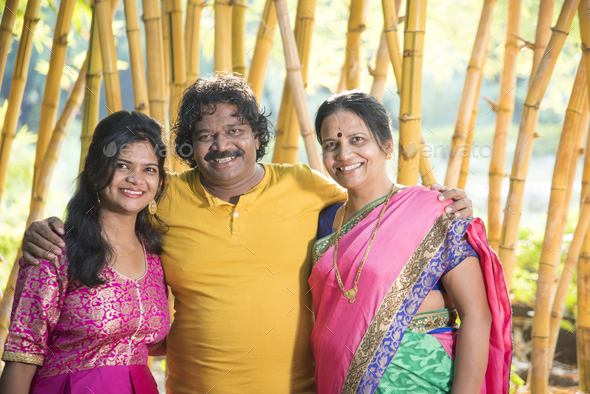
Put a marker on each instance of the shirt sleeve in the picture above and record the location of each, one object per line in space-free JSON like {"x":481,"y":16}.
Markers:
{"x":328,"y":192}
{"x":38,"y":299}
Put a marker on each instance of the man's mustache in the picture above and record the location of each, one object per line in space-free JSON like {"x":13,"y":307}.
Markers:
{"x":222,"y":155}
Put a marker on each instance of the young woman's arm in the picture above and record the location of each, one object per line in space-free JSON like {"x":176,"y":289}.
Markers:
{"x":16,"y":378}
{"x":465,"y":286}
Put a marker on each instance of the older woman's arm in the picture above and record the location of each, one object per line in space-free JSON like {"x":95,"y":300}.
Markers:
{"x":465,"y":286}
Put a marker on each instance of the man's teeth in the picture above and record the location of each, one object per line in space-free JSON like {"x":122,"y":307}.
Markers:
{"x":132,"y":192}
{"x":348,"y":168}
{"x":225,"y":160}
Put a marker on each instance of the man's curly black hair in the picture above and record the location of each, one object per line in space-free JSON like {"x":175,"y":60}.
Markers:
{"x":201,"y":98}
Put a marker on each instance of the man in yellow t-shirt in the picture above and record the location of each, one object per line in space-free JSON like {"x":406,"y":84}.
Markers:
{"x":237,"y":252}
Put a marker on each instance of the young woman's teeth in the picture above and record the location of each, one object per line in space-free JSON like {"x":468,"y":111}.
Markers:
{"x":132,"y":192}
{"x":348,"y":168}
{"x":225,"y":160}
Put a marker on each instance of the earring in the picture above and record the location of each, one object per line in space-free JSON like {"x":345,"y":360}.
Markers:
{"x":98,"y":196}
{"x":153,"y":207}
{"x":389,"y":156}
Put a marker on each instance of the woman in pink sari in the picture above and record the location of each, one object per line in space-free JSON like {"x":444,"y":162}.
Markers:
{"x":393,"y":273}
{"x":85,"y":321}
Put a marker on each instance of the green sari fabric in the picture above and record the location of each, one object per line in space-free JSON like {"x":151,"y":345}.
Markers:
{"x":421,"y":365}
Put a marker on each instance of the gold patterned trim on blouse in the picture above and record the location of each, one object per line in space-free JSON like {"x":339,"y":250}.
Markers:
{"x":393,"y":300}
{"x":428,"y":321}
{"x":23,"y":358}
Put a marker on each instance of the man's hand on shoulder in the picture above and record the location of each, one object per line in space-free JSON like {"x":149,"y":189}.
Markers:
{"x":42,"y":240}
{"x":461,"y":206}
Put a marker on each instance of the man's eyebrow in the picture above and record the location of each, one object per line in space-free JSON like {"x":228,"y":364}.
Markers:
{"x":227,"y":126}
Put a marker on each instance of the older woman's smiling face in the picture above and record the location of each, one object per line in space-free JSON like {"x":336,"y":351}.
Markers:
{"x":350,"y":153}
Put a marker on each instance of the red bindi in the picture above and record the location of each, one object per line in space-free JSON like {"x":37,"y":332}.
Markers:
{"x":339,"y":135}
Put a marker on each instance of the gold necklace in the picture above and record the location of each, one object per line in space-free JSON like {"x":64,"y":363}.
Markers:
{"x":128,"y":254}
{"x":351,"y":294}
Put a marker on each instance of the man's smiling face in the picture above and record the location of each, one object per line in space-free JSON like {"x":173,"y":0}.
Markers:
{"x":224,"y":146}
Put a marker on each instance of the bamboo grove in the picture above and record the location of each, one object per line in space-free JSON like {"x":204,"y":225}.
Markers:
{"x":162,"y":69}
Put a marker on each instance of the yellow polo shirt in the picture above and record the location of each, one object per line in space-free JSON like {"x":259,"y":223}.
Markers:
{"x":239,"y":274}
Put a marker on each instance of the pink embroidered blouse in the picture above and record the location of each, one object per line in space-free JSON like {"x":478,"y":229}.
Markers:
{"x":64,"y":327}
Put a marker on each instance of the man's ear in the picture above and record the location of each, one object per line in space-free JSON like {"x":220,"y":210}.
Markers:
{"x":256,"y":140}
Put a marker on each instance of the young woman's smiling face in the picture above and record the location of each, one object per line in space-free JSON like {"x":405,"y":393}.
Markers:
{"x":350,"y":153}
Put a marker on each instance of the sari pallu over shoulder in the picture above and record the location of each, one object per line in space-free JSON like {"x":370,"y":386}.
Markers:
{"x":353,"y":343}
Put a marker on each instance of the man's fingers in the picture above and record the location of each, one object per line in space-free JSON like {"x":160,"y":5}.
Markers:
{"x":437,"y":187}
{"x":56,"y":224}
{"x":453,"y":194}
{"x":49,"y":234}
{"x":30,"y":259}
{"x":40,"y":247}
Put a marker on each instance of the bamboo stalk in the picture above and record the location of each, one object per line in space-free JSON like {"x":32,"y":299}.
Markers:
{"x":104,"y":23}
{"x":191,"y":38}
{"x":426,"y":168}
{"x":165,"y":22}
{"x":136,"y":58}
{"x":352,"y":62}
{"x":582,"y":316}
{"x":156,"y":73}
{"x":570,"y":263}
{"x":296,"y":86}
{"x":542,"y":35}
{"x":237,"y":38}
{"x":223,"y":35}
{"x":288,"y":133}
{"x":550,"y":252}
{"x":41,"y":188}
{"x":8,"y":18}
{"x":17,"y":87}
{"x":381,"y":67}
{"x":177,"y":67}
{"x":50,"y":103}
{"x":583,"y":129}
{"x":468,"y":97}
{"x":526,"y":135}
{"x":264,"y":41}
{"x":91,"y":109}
{"x":410,"y":112}
{"x":469,"y":143}
{"x":390,"y":27}
{"x":504,"y":112}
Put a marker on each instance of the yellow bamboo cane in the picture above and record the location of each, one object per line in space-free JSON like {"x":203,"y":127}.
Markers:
{"x":288,"y":133}
{"x":379,"y":73}
{"x":583,"y":317}
{"x":177,"y":66}
{"x":474,"y":72}
{"x":356,"y":25}
{"x":296,"y":85}
{"x":569,"y":267}
{"x":191,"y":38}
{"x":8,"y":18}
{"x":504,"y":111}
{"x":136,"y":58}
{"x":542,"y":35}
{"x":410,"y":112}
{"x":426,"y":168}
{"x":583,"y":128}
{"x":264,"y":41}
{"x":17,"y":88}
{"x":165,"y":22}
{"x":237,"y":38}
{"x":156,"y":72}
{"x":91,"y":108}
{"x":390,"y":27}
{"x":526,"y":135}
{"x":223,"y":51}
{"x":104,"y":22}
{"x":551,"y":250}
{"x":40,"y":190}
{"x":470,"y":136}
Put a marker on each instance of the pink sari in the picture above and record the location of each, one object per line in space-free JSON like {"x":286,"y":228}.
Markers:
{"x":354,"y":343}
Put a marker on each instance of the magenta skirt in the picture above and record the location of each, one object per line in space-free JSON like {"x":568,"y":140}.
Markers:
{"x":120,"y":379}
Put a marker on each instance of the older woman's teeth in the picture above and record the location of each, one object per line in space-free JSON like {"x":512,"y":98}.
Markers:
{"x":348,"y":168}
{"x":225,"y":160}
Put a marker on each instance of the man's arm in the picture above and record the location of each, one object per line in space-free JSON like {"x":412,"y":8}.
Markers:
{"x":42,"y":240}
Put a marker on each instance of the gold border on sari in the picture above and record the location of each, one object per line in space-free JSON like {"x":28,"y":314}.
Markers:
{"x":393,"y":300}
{"x":26,"y":358}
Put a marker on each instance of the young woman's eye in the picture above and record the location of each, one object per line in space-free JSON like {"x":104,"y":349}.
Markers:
{"x":121,"y":165}
{"x":150,"y":169}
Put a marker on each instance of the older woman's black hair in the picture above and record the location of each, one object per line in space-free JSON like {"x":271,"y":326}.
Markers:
{"x":201,"y":98}
{"x":366,"y":107}
{"x":87,"y":249}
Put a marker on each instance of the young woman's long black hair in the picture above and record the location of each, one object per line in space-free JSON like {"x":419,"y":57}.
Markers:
{"x":87,"y":249}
